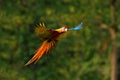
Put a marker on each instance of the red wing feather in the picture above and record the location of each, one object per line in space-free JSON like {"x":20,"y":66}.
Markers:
{"x":50,"y":46}
{"x":45,"y":47}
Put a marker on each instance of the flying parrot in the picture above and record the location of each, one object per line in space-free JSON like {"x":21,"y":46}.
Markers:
{"x":49,"y":38}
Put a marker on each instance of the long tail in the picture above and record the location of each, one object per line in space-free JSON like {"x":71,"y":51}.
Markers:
{"x":38,"y":54}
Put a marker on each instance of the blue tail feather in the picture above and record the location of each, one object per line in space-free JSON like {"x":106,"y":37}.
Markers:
{"x":77,"y":27}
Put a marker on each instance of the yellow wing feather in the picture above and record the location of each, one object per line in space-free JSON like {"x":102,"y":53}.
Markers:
{"x":40,"y":29}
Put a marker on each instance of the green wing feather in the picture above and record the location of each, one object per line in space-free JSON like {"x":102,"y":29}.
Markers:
{"x":44,"y":33}
{"x":40,"y":29}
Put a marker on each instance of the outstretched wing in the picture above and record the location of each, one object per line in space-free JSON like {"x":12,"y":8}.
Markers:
{"x":42,"y":31}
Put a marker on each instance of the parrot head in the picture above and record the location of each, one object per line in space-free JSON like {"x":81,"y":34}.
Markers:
{"x":64,"y":29}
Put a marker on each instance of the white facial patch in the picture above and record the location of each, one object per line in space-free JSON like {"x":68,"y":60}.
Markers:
{"x":64,"y":29}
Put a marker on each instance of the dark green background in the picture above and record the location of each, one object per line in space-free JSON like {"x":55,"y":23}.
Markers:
{"x":81,"y":55}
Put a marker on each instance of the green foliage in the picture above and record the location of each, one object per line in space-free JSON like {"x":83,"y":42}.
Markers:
{"x":80,"y":55}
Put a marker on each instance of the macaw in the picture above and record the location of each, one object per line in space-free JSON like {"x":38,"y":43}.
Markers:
{"x":49,"y":38}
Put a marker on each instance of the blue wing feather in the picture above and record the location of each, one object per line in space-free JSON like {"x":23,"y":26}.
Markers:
{"x":77,"y":27}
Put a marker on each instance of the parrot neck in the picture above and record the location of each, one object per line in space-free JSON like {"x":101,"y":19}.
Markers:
{"x":59,"y":30}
